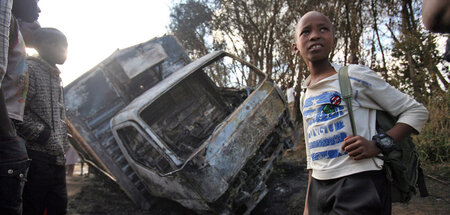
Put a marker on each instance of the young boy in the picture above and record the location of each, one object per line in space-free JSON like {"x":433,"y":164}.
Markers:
{"x":345,"y":177}
{"x":44,"y":127}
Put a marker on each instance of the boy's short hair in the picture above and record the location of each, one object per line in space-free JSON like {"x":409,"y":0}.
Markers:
{"x":47,"y":35}
{"x":333,"y":29}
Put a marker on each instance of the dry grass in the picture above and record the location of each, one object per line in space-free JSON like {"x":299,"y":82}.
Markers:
{"x":433,"y":142}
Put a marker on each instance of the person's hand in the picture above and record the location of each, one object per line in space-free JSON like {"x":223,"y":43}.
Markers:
{"x":359,"y":147}
{"x":305,"y":211}
{"x":44,"y":136}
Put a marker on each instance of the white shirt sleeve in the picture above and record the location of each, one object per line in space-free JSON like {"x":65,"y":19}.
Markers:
{"x":388,"y":98}
{"x":308,"y":152}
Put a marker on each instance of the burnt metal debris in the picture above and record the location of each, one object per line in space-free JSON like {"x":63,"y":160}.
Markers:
{"x":205,"y":134}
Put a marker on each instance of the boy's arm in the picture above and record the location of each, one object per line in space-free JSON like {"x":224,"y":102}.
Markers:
{"x":380,"y":95}
{"x":412,"y":115}
{"x":308,"y":154}
{"x":360,"y":148}
{"x":32,"y":128}
{"x":6,"y":129}
{"x":5,"y":20}
{"x":400,"y":131}
{"x":305,"y":132}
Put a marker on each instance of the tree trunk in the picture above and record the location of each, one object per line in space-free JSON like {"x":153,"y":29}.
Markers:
{"x":375,"y":27}
{"x":407,"y":36}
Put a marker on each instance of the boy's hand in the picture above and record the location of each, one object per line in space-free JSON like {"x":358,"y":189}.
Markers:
{"x":359,"y":147}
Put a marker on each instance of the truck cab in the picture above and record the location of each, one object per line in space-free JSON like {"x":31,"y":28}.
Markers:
{"x":207,"y":135}
{"x":99,"y":94}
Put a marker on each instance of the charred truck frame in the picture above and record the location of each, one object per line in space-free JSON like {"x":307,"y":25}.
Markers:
{"x":206,"y":136}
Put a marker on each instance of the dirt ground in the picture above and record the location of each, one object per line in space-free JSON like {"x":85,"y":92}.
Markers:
{"x":95,"y":195}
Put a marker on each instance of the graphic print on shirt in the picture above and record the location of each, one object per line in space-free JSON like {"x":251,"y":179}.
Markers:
{"x":324,"y":132}
{"x":321,"y":108}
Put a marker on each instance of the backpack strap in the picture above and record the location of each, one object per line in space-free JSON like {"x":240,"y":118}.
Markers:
{"x":346,"y":91}
{"x":421,"y":183}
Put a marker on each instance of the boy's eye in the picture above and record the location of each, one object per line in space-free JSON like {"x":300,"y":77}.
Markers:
{"x":323,"y":29}
{"x":304,"y":32}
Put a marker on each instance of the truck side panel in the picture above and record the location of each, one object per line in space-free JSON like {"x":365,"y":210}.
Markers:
{"x":94,"y":98}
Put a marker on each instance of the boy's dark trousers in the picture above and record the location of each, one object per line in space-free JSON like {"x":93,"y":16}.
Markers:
{"x":46,"y":186}
{"x":361,"y":193}
{"x":14,"y":164}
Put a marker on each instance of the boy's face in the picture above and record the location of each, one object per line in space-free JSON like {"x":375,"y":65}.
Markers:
{"x":60,"y":51}
{"x":314,"y":37}
{"x":55,"y":52}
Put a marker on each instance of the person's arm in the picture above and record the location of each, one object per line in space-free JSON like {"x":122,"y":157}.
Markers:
{"x":5,"y":19}
{"x":360,"y":148}
{"x":308,"y":154}
{"x":436,"y":15}
{"x":6,"y":129}
{"x":33,"y":127}
{"x":412,"y":115}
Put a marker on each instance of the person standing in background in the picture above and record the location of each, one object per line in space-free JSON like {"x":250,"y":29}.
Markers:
{"x":44,"y":127}
{"x":290,"y":94}
{"x":14,"y":160}
{"x":71,"y":160}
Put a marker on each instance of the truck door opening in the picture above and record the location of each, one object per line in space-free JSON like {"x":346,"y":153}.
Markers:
{"x":185,"y":116}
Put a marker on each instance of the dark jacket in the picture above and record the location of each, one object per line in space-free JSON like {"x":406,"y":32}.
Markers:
{"x":43,"y":125}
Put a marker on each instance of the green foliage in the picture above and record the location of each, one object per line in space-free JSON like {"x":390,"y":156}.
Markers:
{"x":433,"y":142}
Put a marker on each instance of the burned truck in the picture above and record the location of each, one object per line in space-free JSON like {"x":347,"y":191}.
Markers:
{"x":206,"y":136}
{"x":94,"y":98}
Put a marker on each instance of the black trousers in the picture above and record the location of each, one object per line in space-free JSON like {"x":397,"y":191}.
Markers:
{"x":14,"y":164}
{"x":46,"y":186}
{"x":363,"y":193}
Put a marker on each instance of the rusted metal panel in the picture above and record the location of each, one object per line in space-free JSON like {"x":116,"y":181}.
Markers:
{"x":148,"y":56}
{"x":201,"y":135}
{"x":241,"y":135}
{"x":95,"y":97}
{"x":149,"y":96}
{"x":192,"y":142}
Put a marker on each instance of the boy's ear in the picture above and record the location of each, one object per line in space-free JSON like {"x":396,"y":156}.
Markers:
{"x":294,"y":48}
